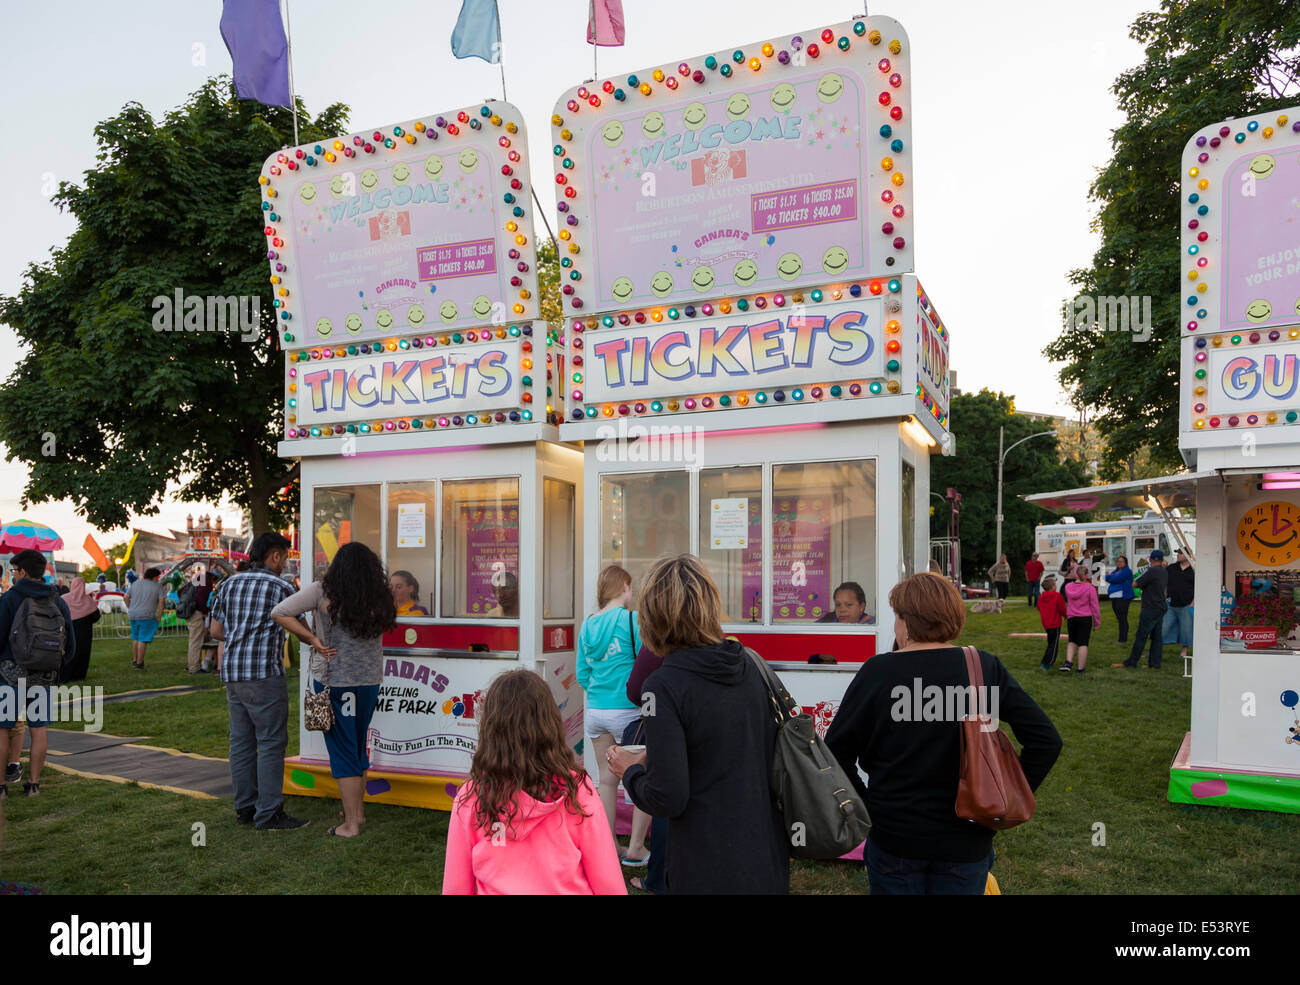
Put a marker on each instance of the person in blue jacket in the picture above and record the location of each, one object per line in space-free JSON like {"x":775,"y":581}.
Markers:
{"x":1121,"y":594}
{"x":607,"y":647}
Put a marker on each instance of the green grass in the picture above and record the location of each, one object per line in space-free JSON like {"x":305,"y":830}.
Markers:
{"x":1121,"y":730}
{"x":164,"y":666}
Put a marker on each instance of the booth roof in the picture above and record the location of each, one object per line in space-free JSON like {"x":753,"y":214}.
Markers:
{"x":1169,"y":490}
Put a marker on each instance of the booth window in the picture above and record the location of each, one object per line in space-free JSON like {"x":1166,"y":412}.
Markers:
{"x":341,"y":515}
{"x":823,"y":536}
{"x":410,"y":557}
{"x":643,"y":517}
{"x":480,"y":549}
{"x":907,"y":517}
{"x":731,"y":538}
{"x":557,"y":549}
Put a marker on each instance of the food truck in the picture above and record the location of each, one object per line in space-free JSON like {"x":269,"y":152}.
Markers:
{"x":1134,"y":536}
{"x":756,"y":375}
{"x":1239,"y":433}
{"x":418,"y":400}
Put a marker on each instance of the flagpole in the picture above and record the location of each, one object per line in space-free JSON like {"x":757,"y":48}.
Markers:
{"x":501,"y":52}
{"x":542,"y":212}
{"x":293,"y":101}
{"x":591,"y":13}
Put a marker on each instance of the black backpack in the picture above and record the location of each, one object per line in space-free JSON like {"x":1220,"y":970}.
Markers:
{"x":187,"y":601}
{"x":40,"y":635}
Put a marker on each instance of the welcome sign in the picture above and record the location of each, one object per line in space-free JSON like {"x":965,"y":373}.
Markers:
{"x":775,"y":166}
{"x":819,"y":344}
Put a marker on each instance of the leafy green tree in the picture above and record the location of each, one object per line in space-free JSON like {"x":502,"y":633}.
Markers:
{"x":1206,"y":60}
{"x":106,"y":411}
{"x":1035,"y":466}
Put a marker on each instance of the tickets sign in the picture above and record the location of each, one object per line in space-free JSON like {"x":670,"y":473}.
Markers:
{"x":774,"y":166}
{"x":821,"y":344}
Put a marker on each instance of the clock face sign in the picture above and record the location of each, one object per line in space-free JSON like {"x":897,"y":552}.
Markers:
{"x":1269,"y":533}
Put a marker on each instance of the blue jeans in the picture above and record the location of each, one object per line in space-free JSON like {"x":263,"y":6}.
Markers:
{"x":259,"y":733}
{"x":893,"y":876}
{"x":1034,"y":592}
{"x":346,"y":740}
{"x":1150,"y":622}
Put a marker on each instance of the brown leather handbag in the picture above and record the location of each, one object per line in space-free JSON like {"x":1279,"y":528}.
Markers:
{"x":993,"y":790}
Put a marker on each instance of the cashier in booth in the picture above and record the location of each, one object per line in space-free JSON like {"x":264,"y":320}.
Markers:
{"x":850,"y":605}
{"x":406,"y":594}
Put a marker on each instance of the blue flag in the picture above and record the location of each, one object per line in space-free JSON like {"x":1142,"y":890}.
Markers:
{"x":478,"y":31}
{"x":254,"y":36}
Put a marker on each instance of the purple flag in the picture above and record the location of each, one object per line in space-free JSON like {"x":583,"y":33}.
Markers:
{"x":605,"y":22}
{"x":254,"y":36}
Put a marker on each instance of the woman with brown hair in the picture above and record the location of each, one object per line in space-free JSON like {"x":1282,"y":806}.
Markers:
{"x":709,"y":738}
{"x":909,"y":745}
{"x":527,"y":822}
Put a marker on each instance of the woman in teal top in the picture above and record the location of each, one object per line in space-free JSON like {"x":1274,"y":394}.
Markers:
{"x":607,"y":647}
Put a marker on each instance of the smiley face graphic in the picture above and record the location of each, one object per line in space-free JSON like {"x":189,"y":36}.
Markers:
{"x":661,"y":284}
{"x":738,"y":106}
{"x":783,"y":97}
{"x":415,"y":316}
{"x":384,"y":320}
{"x":745,"y":272}
{"x":467,"y":159}
{"x":401,"y":172}
{"x":307,"y":192}
{"x":339,"y":186}
{"x":694,"y":116}
{"x":652,"y":126}
{"x":789,"y":266}
{"x":611,"y":134}
{"x":1259,"y":310}
{"x":835,"y":260}
{"x":369,"y":180}
{"x":829,"y":87}
{"x":324,"y":327}
{"x":622,"y":289}
{"x":482,"y":306}
{"x":447,"y":311}
{"x":1262,"y":165}
{"x":702,"y":279}
{"x":433,"y":167}
{"x":352,"y":323}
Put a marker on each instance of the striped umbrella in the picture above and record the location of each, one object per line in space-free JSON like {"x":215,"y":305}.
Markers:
{"x":23,"y":534}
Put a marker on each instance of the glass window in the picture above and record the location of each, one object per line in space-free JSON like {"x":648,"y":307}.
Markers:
{"x":731,"y":538}
{"x":410,"y":559}
{"x":480,"y":549}
{"x":908,"y":519}
{"x":643,"y":517}
{"x":340,"y":515}
{"x":1114,"y":548}
{"x":1164,"y":543}
{"x":823,"y":536}
{"x":557,"y":551}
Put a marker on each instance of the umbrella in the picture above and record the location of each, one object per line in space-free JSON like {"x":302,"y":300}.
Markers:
{"x":23,"y":534}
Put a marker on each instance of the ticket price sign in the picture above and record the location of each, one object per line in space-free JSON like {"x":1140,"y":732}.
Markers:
{"x":773,"y":166}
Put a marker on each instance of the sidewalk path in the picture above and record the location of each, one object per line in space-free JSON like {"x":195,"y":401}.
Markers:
{"x":124,"y":760}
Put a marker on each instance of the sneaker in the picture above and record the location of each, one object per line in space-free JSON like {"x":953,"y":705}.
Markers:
{"x":245,"y":816}
{"x":31,"y":789}
{"x":283,"y":822}
{"x":13,"y":772}
{"x":1066,"y":668}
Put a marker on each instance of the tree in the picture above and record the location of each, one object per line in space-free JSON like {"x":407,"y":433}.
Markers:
{"x":1033,"y":467}
{"x":105,"y":410}
{"x":1206,"y":60}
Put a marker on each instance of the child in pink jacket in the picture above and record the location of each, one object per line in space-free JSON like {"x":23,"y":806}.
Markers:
{"x":527,"y":822}
{"x":1082,"y":616}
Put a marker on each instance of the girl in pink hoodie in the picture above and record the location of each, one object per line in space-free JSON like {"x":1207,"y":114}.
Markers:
{"x":527,"y":822}
{"x":1082,"y":616}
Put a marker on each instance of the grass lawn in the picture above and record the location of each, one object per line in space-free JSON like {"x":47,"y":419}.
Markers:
{"x":1121,"y":730}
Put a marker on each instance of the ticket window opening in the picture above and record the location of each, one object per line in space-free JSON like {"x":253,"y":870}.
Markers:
{"x":643,"y":517}
{"x":480,"y":549}
{"x":411,"y":559}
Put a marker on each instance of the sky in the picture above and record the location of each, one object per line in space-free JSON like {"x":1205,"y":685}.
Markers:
{"x":1011,"y":106}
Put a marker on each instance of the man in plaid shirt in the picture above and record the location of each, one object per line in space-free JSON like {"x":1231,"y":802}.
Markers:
{"x":256,"y":689}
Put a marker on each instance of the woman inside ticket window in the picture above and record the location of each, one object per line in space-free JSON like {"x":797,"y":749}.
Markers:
{"x":406,"y":594}
{"x":850,"y":605}
{"x":507,"y":592}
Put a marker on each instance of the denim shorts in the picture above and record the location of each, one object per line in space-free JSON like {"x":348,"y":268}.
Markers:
{"x":599,"y":721}
{"x":346,"y":739}
{"x":9,"y":708}
{"x":1183,"y":617}
{"x":142,"y":630}
{"x":889,"y":875}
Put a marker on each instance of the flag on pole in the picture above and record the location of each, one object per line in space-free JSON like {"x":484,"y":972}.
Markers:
{"x":96,"y":553}
{"x":605,"y":23}
{"x":478,"y":31}
{"x":254,"y":36}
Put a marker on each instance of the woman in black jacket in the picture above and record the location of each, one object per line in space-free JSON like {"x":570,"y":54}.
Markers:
{"x":898,"y":720}
{"x":709,"y":737}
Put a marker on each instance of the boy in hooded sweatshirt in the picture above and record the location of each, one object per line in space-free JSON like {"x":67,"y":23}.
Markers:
{"x":1051,"y":610}
{"x":527,"y":822}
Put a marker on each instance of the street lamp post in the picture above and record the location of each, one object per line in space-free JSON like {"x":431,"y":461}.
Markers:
{"x":1002,"y":455}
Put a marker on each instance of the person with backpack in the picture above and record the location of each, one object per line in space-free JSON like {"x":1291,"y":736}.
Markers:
{"x":192,"y":606}
{"x":35,"y":637}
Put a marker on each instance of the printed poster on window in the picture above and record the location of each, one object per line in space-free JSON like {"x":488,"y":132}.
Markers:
{"x":801,"y":550}
{"x":728,"y":524}
{"x":410,"y":525}
{"x":491,"y":549}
